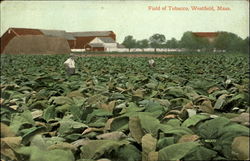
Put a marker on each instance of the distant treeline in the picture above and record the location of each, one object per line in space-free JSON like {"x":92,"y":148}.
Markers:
{"x":224,"y":41}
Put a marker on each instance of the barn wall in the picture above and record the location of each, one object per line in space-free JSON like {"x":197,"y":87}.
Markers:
{"x":5,"y":39}
{"x":78,"y":44}
{"x":72,"y":43}
{"x":110,"y":45}
{"x":83,"y":41}
{"x":98,"y":49}
{"x":112,"y":35}
{"x":96,"y":40}
{"x":37,"y":44}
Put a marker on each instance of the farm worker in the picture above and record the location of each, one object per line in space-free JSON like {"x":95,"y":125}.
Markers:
{"x":70,"y":65}
{"x":151,"y":63}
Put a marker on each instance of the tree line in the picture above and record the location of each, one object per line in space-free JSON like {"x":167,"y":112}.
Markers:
{"x":224,"y":41}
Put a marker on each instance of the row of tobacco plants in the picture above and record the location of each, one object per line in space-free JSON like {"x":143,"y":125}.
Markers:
{"x":185,"y":108}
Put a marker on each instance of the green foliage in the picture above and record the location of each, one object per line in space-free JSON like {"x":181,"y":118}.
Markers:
{"x":129,"y":42}
{"x":228,"y":41}
{"x":112,"y":105}
{"x":176,"y":151}
{"x":96,"y":148}
{"x":142,"y":44}
{"x":172,"y":44}
{"x":157,"y":41}
{"x":189,"y":41}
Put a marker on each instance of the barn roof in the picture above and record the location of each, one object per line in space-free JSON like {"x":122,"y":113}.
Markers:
{"x":92,"y":33}
{"x":96,"y":45}
{"x":206,"y":34}
{"x":58,"y":33}
{"x":107,"y":39}
{"x":25,"y":31}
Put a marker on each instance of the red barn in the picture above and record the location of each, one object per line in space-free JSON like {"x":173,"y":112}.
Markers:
{"x":16,"y":32}
{"x":63,"y":34}
{"x":209,"y":35}
{"x":83,"y":38}
{"x":94,"y":47}
{"x":13,"y":32}
{"x":76,"y":40}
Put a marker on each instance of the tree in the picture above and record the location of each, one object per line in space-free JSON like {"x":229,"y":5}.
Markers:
{"x":129,"y":42}
{"x":245,"y":45}
{"x":228,"y":41}
{"x":188,"y":41}
{"x":173,"y":43}
{"x":142,"y":44}
{"x":157,"y":41}
{"x":192,"y":42}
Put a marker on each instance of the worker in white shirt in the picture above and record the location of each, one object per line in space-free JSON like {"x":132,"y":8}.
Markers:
{"x":70,"y":65}
{"x":151,"y":63}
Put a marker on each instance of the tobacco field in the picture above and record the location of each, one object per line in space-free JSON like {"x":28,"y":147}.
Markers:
{"x":120,"y":109}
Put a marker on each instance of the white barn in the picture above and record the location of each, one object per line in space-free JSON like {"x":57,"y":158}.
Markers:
{"x":108,"y":43}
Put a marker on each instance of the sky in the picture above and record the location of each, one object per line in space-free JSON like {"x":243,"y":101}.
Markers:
{"x":136,"y":18}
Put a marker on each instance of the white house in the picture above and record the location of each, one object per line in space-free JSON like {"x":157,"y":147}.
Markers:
{"x":108,"y":43}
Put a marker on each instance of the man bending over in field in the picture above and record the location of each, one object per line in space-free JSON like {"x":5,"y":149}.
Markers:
{"x":70,"y":65}
{"x":151,"y":63}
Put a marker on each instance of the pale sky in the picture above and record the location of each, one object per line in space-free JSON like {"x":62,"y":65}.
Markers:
{"x":127,"y":17}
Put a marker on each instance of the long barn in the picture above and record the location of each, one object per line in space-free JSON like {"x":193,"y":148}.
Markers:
{"x":77,"y":41}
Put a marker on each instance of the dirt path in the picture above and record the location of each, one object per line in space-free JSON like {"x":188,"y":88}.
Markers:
{"x":126,"y":55}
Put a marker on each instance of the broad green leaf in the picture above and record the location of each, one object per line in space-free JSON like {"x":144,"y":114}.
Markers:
{"x":68,"y":126}
{"x":119,"y":124}
{"x":76,"y":112}
{"x":27,"y":134}
{"x":75,"y":94}
{"x":117,"y":96}
{"x":123,"y":151}
{"x":60,"y":100}
{"x":21,"y":119}
{"x":63,"y":108}
{"x":179,"y":102}
{"x":62,"y":146}
{"x":220,"y":102}
{"x":194,"y":120}
{"x":176,"y":92}
{"x":149,"y":123}
{"x":98,"y":113}
{"x":39,"y":105}
{"x":152,"y":106}
{"x":165,"y":141}
{"x":37,"y":154}
{"x":98,"y":122}
{"x":201,"y":153}
{"x":135,"y":129}
{"x":148,"y":145}
{"x":49,"y":113}
{"x":177,"y":151}
{"x":174,"y":123}
{"x":96,"y":148}
{"x":210,"y":129}
{"x":178,"y":131}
